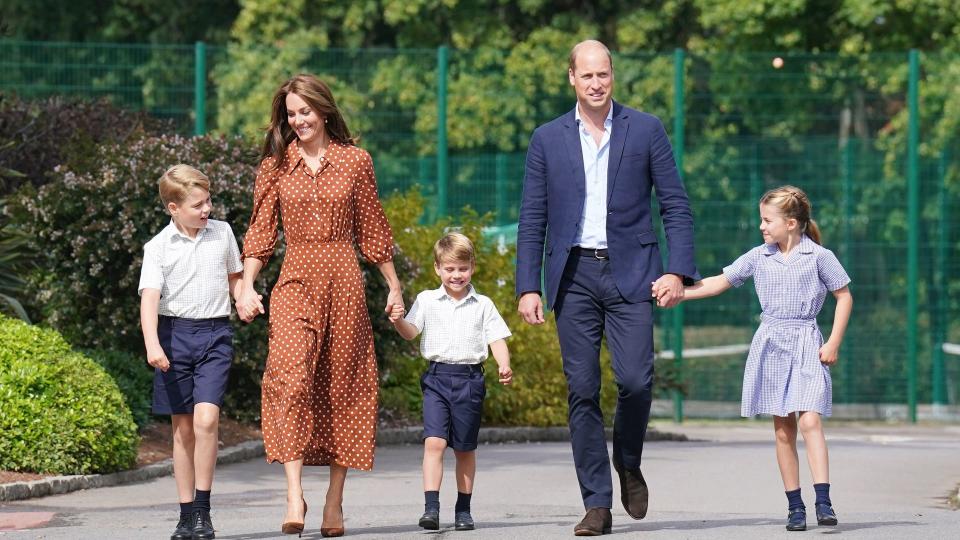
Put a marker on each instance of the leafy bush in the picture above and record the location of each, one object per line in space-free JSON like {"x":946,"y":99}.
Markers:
{"x":32,"y":145}
{"x":59,"y":411}
{"x":133,"y":376}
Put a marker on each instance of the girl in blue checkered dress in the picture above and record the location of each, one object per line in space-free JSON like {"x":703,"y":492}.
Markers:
{"x":787,"y":374}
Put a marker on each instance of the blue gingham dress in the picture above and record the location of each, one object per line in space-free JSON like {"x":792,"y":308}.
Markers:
{"x":783,"y":372}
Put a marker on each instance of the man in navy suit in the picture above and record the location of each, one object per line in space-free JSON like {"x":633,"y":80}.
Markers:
{"x":585,"y":220}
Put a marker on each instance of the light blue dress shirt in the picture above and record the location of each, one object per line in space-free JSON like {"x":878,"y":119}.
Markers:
{"x":593,"y":223}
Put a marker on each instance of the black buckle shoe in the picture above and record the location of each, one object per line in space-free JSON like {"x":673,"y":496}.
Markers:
{"x":430,"y":520}
{"x":826,"y":515}
{"x":463,"y":521}
{"x":202,"y":525}
{"x":183,"y":530}
{"x":797,"y":519}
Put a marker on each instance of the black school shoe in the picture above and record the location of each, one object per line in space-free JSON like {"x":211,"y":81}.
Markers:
{"x":463,"y":521}
{"x":202,"y":525}
{"x":184,"y":531}
{"x":826,"y":515}
{"x":430,"y":520}
{"x":797,"y":519}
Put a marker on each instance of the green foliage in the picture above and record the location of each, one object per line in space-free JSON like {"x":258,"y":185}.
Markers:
{"x":59,"y":411}
{"x":14,"y":260}
{"x":133,"y":376}
{"x":33,"y":145}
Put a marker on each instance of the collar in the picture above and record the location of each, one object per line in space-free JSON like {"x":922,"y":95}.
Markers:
{"x":806,"y":246}
{"x":334,"y":156}
{"x":441,"y":293}
{"x":173,"y":232}
{"x":607,"y":122}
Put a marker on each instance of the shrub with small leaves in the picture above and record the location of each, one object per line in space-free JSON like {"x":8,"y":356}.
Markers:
{"x":59,"y":411}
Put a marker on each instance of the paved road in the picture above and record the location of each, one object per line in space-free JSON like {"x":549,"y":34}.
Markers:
{"x":889,"y":482}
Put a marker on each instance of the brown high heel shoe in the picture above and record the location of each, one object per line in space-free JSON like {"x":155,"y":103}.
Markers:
{"x":295,"y":527}
{"x":328,"y":532}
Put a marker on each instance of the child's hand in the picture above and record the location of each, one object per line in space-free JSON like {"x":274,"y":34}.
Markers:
{"x":396,"y":313}
{"x":506,"y":375}
{"x":828,"y":354}
{"x":158,"y":359}
{"x":249,"y":305}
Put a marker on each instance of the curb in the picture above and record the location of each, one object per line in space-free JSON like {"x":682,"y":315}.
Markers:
{"x":56,"y":485}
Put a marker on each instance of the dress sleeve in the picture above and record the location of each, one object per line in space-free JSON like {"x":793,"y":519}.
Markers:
{"x":831,"y":272}
{"x":262,"y":232}
{"x":371,"y":231}
{"x":743,"y":268}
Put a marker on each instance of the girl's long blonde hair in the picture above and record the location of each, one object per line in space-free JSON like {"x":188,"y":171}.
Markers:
{"x":793,"y":203}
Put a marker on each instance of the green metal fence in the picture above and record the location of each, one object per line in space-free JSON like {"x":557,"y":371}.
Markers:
{"x":869,"y":137}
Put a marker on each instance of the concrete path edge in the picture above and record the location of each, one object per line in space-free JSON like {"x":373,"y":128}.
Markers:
{"x":55,"y":485}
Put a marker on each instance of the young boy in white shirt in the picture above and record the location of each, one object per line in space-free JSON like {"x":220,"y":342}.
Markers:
{"x":189,"y":270}
{"x":457,"y":324}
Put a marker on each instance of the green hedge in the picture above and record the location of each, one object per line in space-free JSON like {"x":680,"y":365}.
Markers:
{"x":134,"y":378}
{"x":59,"y":411}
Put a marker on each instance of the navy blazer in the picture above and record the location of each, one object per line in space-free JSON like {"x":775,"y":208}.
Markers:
{"x":641,"y":158}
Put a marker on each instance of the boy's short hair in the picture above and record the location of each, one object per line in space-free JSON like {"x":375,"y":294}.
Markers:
{"x":177,"y":182}
{"x":454,"y":246}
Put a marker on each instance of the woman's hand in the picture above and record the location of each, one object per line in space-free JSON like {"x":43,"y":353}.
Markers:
{"x":249,"y":304}
{"x":394,"y":300}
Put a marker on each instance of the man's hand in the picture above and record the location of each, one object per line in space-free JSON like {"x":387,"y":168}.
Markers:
{"x":668,"y":290}
{"x":531,"y":308}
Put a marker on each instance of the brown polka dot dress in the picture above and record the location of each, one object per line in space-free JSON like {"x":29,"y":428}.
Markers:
{"x":320,"y":383}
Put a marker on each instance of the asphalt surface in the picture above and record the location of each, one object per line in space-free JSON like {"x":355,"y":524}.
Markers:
{"x":889,"y":481}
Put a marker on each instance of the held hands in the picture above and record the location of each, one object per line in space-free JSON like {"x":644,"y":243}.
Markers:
{"x":157,"y":358}
{"x":829,"y":353}
{"x":249,"y":305}
{"x":667,"y":290}
{"x":394,"y":310}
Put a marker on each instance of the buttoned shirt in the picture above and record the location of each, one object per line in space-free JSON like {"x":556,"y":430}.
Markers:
{"x":456,"y":331}
{"x":593,"y":223}
{"x":191,"y":273}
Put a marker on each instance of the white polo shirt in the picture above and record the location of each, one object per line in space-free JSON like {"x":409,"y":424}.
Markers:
{"x":191,"y":273}
{"x":456,"y":332}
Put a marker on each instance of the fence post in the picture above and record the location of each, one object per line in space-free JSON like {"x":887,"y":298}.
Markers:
{"x":200,"y":88}
{"x":913,"y":228}
{"x":442,"y":155}
{"x":939,"y":381}
{"x":500,"y":188}
{"x":848,"y":174}
{"x":678,"y":149}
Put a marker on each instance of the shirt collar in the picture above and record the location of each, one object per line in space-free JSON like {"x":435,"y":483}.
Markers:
{"x":441,"y":293}
{"x":607,"y":122}
{"x":173,"y":232}
{"x":806,"y":246}
{"x":334,"y":156}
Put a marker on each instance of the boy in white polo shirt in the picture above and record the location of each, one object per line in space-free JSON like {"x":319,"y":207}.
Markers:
{"x":189,"y":271}
{"x":457,"y":324}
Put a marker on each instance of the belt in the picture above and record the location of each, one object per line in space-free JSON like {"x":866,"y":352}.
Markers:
{"x":442,"y":367}
{"x":600,"y":254}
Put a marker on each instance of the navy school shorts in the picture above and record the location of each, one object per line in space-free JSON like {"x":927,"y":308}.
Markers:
{"x":200,"y":352}
{"x":452,"y":403}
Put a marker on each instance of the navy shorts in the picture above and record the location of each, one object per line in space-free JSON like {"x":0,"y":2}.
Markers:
{"x":452,"y":403}
{"x":200,"y":352}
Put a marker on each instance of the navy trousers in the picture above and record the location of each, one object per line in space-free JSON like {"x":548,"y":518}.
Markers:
{"x":588,"y":307}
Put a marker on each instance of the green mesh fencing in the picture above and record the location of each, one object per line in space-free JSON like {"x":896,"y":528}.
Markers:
{"x":836,"y":126}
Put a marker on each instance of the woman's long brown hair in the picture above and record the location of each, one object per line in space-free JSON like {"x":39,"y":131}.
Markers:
{"x":319,"y":97}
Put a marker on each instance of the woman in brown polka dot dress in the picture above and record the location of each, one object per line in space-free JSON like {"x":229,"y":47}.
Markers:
{"x":320,"y":382}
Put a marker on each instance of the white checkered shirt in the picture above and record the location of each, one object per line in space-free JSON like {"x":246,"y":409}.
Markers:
{"x":456,"y":332}
{"x":191,"y":273}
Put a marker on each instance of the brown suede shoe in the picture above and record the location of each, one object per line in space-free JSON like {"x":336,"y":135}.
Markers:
{"x":633,"y":489}
{"x":597,"y":521}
